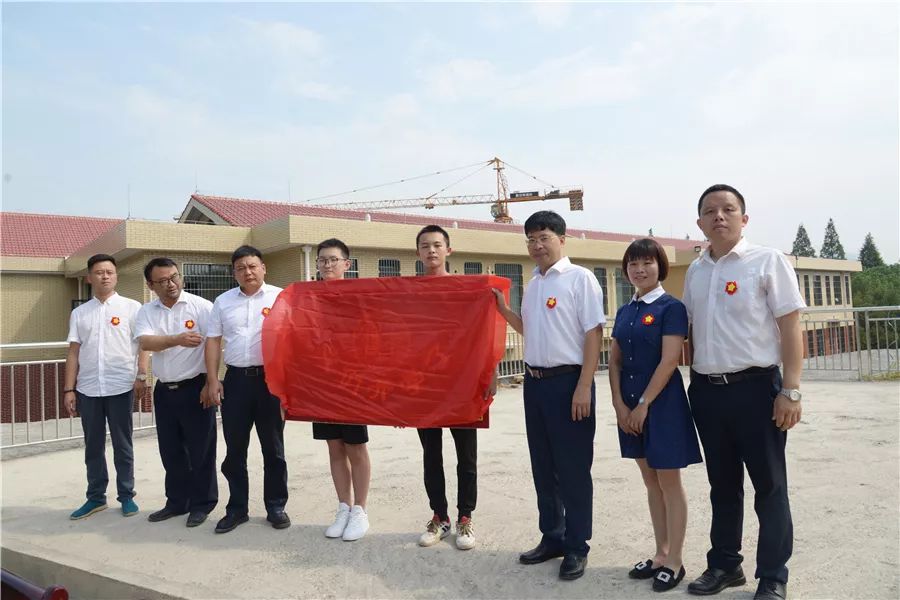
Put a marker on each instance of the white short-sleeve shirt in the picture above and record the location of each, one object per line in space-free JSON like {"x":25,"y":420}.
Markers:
{"x":558,"y":309}
{"x":733,"y":304}
{"x":107,"y":359}
{"x":189,"y":313}
{"x":238,"y":319}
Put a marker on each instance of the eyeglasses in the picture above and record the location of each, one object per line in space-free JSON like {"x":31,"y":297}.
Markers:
{"x":329,"y":262}
{"x":173,"y":280}
{"x":542,"y":240}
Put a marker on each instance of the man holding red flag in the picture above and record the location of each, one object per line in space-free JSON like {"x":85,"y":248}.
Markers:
{"x":433,"y":248}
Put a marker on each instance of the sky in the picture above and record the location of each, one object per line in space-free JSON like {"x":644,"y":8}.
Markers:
{"x":117,"y":109}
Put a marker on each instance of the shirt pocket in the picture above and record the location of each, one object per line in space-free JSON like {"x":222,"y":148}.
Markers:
{"x":739,"y":294}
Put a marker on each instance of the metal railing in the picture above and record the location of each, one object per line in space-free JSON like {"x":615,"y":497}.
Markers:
{"x":849,"y":343}
{"x":31,"y":398}
{"x":861,"y":343}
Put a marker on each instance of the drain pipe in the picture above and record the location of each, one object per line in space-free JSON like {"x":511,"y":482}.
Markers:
{"x":307,"y":250}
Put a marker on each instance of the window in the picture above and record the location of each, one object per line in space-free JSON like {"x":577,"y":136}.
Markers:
{"x":353,"y":271}
{"x":207,"y":280}
{"x":820,"y":342}
{"x":838,"y":297}
{"x":472,"y":268}
{"x":827,"y":290}
{"x":806,"y":295}
{"x":600,"y":274}
{"x":388,"y":267}
{"x":817,"y":290}
{"x":512,"y":272}
{"x":847,"y":288}
{"x":624,"y":289}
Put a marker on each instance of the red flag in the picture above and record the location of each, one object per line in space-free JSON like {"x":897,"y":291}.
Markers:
{"x":411,"y":351}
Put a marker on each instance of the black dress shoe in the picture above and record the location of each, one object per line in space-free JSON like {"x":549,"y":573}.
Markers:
{"x":162,"y":515}
{"x":196,"y":518}
{"x":666,"y":579}
{"x":229,"y":522}
{"x":714,"y":581}
{"x":541,"y":553}
{"x":644,"y":570}
{"x":572,"y":566}
{"x":770,"y":589}
{"x":279,"y":520}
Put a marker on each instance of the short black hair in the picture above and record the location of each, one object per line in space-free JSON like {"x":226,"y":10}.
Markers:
{"x":243,"y":252}
{"x":334,"y":243}
{"x":545,"y":219}
{"x":101,"y":258}
{"x":159,"y":261}
{"x":433,"y":229}
{"x":647,"y":248}
{"x":722,"y":187}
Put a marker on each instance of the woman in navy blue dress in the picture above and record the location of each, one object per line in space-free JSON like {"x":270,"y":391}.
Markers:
{"x":652,"y":411}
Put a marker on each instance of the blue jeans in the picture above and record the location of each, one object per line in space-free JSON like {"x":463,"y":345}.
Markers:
{"x":95,"y":413}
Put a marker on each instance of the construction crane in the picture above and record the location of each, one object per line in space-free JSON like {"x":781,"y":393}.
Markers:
{"x":499,"y":202}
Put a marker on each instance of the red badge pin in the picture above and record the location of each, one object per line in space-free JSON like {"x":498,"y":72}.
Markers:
{"x":266,"y":310}
{"x":731,"y":288}
{"x":115,"y":321}
{"x":551,"y":302}
{"x":189,"y":323}
{"x":648,"y":320}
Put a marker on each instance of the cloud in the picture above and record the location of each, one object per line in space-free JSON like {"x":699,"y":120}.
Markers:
{"x":551,"y":15}
{"x":314,"y":90}
{"x":285,"y":39}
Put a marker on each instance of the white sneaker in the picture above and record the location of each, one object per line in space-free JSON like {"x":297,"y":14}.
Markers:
{"x":358,"y":524}
{"x":435,"y":531}
{"x":341,"y":517}
{"x":465,"y":534}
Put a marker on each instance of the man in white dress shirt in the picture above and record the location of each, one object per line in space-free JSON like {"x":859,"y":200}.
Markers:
{"x":101,"y":382}
{"x":561,"y":323}
{"x":173,"y":327}
{"x":237,"y":319}
{"x":744,"y":305}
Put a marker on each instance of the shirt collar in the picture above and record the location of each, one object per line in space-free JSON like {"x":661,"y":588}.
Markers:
{"x":181,"y":299}
{"x":114,"y":294}
{"x":739,"y":250}
{"x":559,"y":266}
{"x":650,"y":296}
{"x":259,"y":292}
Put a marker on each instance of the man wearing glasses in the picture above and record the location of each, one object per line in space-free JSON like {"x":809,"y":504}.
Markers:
{"x":237,"y":318}
{"x":562,"y":320}
{"x":172,"y":328}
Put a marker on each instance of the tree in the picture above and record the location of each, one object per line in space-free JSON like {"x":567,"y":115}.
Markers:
{"x":802,"y":245}
{"x":869,"y":255}
{"x":877,"y":286}
{"x":831,"y":246}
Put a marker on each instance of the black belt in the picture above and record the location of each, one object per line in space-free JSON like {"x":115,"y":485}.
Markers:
{"x":728,"y":378}
{"x":247,"y":371}
{"x":174,"y":385}
{"x":543,"y":373}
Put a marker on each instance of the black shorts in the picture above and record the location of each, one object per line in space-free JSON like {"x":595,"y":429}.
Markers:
{"x":350,"y":434}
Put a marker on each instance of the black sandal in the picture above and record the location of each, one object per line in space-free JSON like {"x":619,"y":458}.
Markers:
{"x":665,"y":579}
{"x":643,"y":570}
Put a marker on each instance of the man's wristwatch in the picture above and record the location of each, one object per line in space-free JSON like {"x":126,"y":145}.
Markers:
{"x":642,"y":400}
{"x":792,"y":395}
{"x":141,"y":377}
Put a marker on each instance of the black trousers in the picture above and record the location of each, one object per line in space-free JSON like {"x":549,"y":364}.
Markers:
{"x":186,"y":433}
{"x":562,"y":452}
{"x":247,"y":403}
{"x":466,"y":441}
{"x":95,"y":413}
{"x":736,"y":429}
